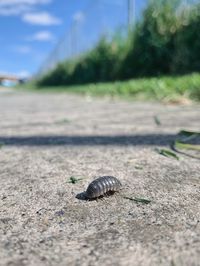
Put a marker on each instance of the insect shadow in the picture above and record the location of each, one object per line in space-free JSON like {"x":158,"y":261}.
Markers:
{"x":82,"y":196}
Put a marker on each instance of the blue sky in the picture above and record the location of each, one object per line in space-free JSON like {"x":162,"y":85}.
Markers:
{"x":31,"y":29}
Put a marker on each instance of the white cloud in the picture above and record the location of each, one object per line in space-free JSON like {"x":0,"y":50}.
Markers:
{"x":22,"y":49}
{"x":19,"y":2}
{"x":41,"y":36}
{"x":41,"y":18}
{"x":23,"y":74}
{"x":17,"y":7}
{"x":20,"y":74}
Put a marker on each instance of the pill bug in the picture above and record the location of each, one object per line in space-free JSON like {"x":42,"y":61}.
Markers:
{"x":102,"y":186}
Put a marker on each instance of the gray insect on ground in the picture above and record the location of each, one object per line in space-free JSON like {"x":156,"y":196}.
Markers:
{"x":102,"y":186}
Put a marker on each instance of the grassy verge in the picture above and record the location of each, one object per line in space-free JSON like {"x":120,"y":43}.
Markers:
{"x":161,"y":89}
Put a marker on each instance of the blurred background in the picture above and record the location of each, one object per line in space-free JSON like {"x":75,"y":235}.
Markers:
{"x":59,"y":43}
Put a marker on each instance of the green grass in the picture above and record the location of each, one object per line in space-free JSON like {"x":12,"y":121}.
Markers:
{"x":138,"y":200}
{"x":158,"y":88}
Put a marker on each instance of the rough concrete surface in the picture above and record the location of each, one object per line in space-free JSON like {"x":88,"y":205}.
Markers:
{"x":49,"y":137}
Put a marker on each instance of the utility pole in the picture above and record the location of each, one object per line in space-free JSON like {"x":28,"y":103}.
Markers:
{"x":73,"y":35}
{"x":131,"y":13}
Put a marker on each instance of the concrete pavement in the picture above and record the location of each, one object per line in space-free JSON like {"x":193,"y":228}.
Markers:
{"x":47,"y":138}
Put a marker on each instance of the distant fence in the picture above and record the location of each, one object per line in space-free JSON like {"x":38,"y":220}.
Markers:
{"x":98,"y":18}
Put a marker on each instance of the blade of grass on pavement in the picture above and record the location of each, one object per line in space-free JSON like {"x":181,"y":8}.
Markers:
{"x":138,"y":200}
{"x":167,"y":153}
{"x":182,"y":142}
{"x":157,"y":120}
{"x":74,"y":180}
{"x":180,"y":145}
{"x":188,"y":133}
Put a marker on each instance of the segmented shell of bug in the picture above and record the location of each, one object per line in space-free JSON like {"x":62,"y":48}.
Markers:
{"x":102,"y":185}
